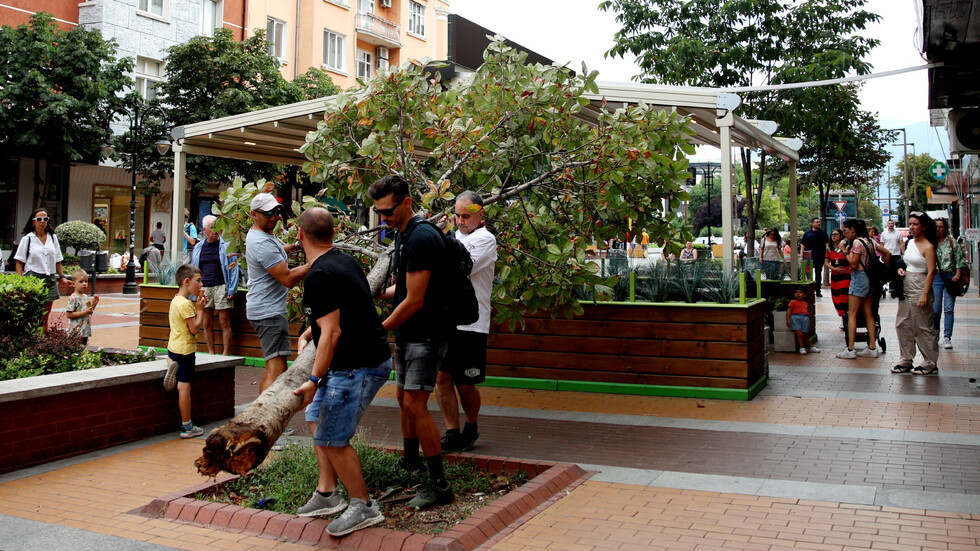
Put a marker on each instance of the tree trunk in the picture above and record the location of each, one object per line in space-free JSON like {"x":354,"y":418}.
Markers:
{"x":242,"y":444}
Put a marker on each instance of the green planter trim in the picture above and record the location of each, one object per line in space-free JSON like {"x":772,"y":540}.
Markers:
{"x":748,"y":303}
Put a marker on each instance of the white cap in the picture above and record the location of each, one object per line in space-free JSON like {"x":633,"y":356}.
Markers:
{"x":264,"y":202}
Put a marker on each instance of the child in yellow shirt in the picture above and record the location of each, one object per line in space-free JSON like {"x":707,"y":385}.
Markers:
{"x":186,"y":319}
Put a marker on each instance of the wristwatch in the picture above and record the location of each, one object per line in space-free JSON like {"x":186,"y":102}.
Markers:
{"x":320,"y":382}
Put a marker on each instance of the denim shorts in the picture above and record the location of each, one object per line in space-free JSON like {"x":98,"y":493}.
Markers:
{"x":337,"y":408}
{"x":273,"y":336}
{"x":799,"y":322}
{"x":417,"y":364}
{"x":185,"y":366}
{"x":860,"y":285}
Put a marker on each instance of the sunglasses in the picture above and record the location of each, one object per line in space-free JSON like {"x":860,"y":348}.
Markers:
{"x":915,"y":213}
{"x":269,"y":213}
{"x":41,"y":219}
{"x":385,"y":212}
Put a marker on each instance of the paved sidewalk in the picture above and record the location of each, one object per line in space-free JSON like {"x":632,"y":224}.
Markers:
{"x":834,"y":454}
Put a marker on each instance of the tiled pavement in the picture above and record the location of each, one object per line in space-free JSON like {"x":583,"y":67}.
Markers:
{"x":834,"y":454}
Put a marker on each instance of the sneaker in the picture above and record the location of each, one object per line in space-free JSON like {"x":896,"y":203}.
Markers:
{"x":191,"y":432}
{"x":848,"y":354}
{"x":288,"y":431}
{"x":319,"y":505}
{"x":868,"y":352}
{"x":170,"y":379}
{"x":432,"y":495}
{"x":814,"y":350}
{"x":819,"y":294}
{"x":467,"y":440}
{"x":803,"y":351}
{"x":358,"y":515}
{"x":451,"y":442}
{"x":901,"y":369}
{"x":946,"y":344}
{"x":923,"y":370}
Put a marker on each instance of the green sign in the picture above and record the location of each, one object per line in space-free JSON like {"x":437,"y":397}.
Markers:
{"x":939,"y":170}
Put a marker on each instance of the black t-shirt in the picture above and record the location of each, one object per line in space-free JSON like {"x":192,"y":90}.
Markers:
{"x":419,"y":248}
{"x":211,"y":272}
{"x":336,"y":281}
{"x":816,"y":242}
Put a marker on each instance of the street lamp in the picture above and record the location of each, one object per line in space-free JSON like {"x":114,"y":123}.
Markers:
{"x":137,"y":117}
{"x":905,"y":166}
{"x":707,"y":176}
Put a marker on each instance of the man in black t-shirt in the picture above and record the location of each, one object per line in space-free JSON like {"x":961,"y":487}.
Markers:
{"x":815,"y":240}
{"x":352,"y":362}
{"x":421,"y":333}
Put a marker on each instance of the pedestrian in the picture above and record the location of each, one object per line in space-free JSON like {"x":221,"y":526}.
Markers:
{"x":840,"y":271}
{"x":39,"y":255}
{"x":190,"y":236}
{"x":644,"y":242}
{"x":859,"y":299}
{"x":465,"y":365}
{"x":352,"y":362}
{"x":951,"y":268}
{"x":798,"y":320}
{"x":219,"y":275}
{"x":158,"y":237}
{"x":815,"y":241}
{"x":893,"y":241}
{"x":186,"y":318}
{"x":269,"y":281}
{"x":771,"y":254}
{"x":421,"y":333}
{"x":689,"y":253}
{"x":914,"y":323}
{"x":80,"y":307}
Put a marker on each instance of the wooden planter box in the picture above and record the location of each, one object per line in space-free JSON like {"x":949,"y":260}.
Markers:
{"x":672,"y":349}
{"x":155,"y":324}
{"x":52,"y":417}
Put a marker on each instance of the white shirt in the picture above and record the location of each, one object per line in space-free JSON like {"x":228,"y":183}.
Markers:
{"x":482,"y":246}
{"x":43,"y":256}
{"x":892,"y":240}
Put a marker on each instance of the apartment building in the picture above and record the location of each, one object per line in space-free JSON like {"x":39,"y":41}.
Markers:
{"x":351,"y":39}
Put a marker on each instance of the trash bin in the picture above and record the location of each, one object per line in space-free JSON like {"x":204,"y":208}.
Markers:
{"x":86,"y":260}
{"x":102,"y":261}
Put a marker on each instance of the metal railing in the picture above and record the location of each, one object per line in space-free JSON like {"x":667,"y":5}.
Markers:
{"x":377,"y":25}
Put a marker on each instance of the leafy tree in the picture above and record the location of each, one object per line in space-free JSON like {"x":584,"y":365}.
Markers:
{"x":919,"y":180}
{"x":728,"y":43}
{"x":866,"y":210}
{"x":552,"y":181}
{"x":56,"y":89}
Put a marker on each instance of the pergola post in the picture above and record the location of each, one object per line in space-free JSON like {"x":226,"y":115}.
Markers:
{"x":727,"y":215}
{"x":793,"y":225}
{"x":177,"y":214}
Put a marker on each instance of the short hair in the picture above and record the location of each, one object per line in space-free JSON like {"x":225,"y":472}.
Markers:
{"x":185,"y":272}
{"x":317,"y":223}
{"x":471,"y":196}
{"x":78,"y":273}
{"x":393,"y":184}
{"x":159,"y":225}
{"x":814,"y":218}
{"x":208,"y":221}
{"x":799,"y":289}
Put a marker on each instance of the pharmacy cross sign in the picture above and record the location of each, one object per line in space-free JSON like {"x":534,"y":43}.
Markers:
{"x":939,"y":170}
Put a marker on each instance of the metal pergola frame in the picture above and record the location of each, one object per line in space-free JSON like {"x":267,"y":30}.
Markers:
{"x":275,"y":135}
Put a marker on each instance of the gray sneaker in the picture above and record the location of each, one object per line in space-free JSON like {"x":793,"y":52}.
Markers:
{"x":170,"y":379}
{"x":320,"y":506}
{"x":191,"y":432}
{"x":358,"y":516}
{"x":432,"y":495}
{"x":947,"y":344}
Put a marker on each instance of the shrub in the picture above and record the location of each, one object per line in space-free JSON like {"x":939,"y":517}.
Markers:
{"x":55,"y":351}
{"x":21,"y":304}
{"x":77,"y":234}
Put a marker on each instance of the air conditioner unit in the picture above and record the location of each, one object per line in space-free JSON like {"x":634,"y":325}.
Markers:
{"x":385,"y":3}
{"x":382,"y":64}
{"x":381,"y":52}
{"x":964,"y":131}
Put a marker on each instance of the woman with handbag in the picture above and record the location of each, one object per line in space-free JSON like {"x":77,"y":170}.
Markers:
{"x":39,"y":255}
{"x":840,"y":271}
{"x":914,"y":310}
{"x":771,"y":254}
{"x":950,"y":281}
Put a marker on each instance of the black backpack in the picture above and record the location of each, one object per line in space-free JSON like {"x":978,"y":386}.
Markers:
{"x":460,"y":296}
{"x":875,"y":268}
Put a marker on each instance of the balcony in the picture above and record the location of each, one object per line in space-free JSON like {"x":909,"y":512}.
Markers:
{"x":378,"y":31}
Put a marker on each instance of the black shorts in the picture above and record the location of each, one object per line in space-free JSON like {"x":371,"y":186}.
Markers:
{"x":466,"y":360}
{"x":186,"y":364}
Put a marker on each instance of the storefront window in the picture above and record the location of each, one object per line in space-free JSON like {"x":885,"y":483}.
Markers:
{"x":110,"y":211}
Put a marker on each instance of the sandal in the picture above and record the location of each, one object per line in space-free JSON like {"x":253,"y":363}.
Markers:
{"x":923,"y":370}
{"x":901,"y":369}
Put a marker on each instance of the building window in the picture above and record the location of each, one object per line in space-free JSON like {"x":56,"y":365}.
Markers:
{"x":334,"y":51}
{"x":211,"y":12}
{"x":416,"y":19}
{"x":154,"y":7}
{"x":365,"y":6}
{"x":364,"y":61}
{"x":275,"y":33}
{"x":149,"y":75}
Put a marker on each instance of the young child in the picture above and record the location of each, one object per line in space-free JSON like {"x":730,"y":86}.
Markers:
{"x":80,"y":307}
{"x":185,"y":321}
{"x":798,"y":319}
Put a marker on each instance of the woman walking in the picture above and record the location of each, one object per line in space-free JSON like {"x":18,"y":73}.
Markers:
{"x":914,"y":321}
{"x":840,"y":271}
{"x":771,"y":254}
{"x":952,"y":268}
{"x":39,"y":255}
{"x":859,"y":297}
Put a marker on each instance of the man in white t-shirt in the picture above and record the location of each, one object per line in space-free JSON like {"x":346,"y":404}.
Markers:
{"x":892,"y":240}
{"x":465,"y":365}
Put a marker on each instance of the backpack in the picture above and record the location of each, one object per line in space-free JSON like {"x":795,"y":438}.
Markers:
{"x":875,"y":268}
{"x":462,"y":307}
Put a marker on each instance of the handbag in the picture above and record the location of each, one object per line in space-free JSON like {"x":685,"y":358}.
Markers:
{"x":955,"y":288}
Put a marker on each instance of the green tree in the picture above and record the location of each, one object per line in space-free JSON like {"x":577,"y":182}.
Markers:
{"x":56,"y":90}
{"x":552,"y":181}
{"x":728,"y":43}
{"x":919,"y":180}
{"x":866,"y":210}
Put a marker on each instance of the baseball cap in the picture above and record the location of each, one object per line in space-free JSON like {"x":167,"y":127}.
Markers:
{"x":264,"y":202}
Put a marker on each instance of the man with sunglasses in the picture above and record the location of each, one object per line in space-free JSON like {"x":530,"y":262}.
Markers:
{"x":421,"y":332}
{"x":269,"y":281}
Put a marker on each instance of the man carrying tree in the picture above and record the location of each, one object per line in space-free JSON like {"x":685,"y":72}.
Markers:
{"x":421,"y":336}
{"x":352,"y":362}
{"x":466,"y":361}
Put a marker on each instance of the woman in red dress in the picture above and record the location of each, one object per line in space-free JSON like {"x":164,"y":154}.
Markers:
{"x":840,"y":271}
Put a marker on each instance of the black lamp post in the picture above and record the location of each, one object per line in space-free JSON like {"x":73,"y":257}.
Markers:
{"x":137,"y":114}
{"x":707,"y":176}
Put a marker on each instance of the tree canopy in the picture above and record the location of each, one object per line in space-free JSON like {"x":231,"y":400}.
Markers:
{"x":919,"y":180}
{"x":552,"y":182}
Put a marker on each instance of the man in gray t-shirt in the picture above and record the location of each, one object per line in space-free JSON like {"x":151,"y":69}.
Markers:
{"x":269,"y":280}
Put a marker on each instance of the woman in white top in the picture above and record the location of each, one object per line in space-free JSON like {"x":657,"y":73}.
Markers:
{"x":39,"y":255}
{"x":771,"y":254}
{"x":914,"y":322}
